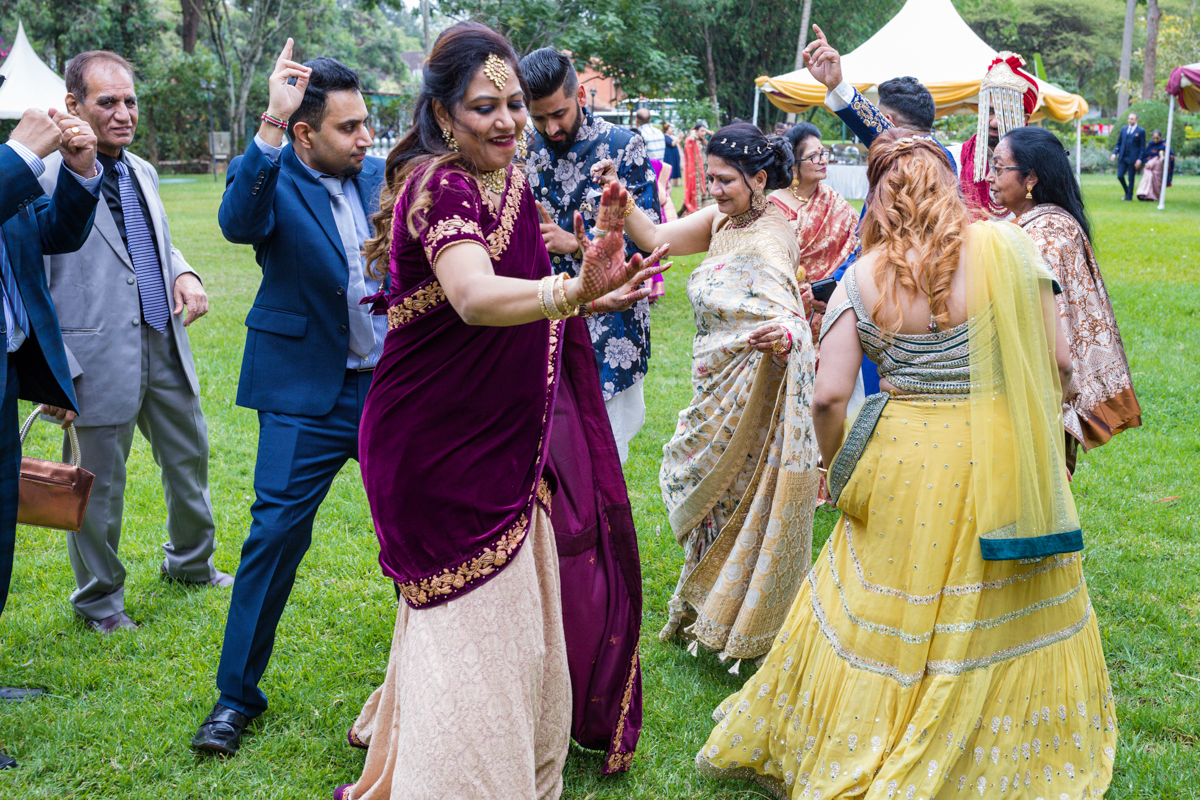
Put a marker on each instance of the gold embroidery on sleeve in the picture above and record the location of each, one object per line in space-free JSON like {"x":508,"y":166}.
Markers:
{"x":446,"y":228}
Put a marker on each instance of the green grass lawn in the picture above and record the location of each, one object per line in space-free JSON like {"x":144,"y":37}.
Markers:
{"x":121,"y":709}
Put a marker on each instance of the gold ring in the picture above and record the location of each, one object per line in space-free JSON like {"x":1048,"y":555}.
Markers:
{"x":75,"y":131}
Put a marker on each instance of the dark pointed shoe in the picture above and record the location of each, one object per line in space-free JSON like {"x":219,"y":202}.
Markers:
{"x":117,"y":622}
{"x":7,"y":761}
{"x":221,"y":732}
{"x":16,"y":694}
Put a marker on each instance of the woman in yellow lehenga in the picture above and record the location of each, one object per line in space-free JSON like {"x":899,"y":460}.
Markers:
{"x":943,"y":646}
{"x":739,"y":477}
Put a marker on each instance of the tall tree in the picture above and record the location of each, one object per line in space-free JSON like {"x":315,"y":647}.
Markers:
{"x":801,"y":41}
{"x":1078,"y":40}
{"x":1150,"y":54}
{"x":189,"y":28}
{"x":623,"y":36}
{"x":1126,"y":56}
{"x":242,"y":31}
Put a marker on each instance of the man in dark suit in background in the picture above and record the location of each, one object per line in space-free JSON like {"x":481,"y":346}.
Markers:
{"x":34,"y":225}
{"x":1131,"y":141}
{"x":310,"y":349}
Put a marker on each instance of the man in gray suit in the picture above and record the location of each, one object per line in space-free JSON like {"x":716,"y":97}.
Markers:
{"x":129,"y":354}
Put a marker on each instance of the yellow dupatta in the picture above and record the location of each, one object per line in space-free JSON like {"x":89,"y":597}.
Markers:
{"x":1022,"y":497}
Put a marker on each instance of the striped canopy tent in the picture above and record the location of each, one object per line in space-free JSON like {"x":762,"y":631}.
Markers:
{"x":1183,"y":86}
{"x":29,"y":83}
{"x":930,"y":41}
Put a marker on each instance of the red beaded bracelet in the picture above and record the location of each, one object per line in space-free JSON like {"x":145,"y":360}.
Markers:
{"x":278,"y":123}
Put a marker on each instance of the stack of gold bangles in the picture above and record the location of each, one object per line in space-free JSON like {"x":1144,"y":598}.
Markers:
{"x":552,"y":294}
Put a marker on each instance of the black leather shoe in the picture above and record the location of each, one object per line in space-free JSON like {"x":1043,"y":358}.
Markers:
{"x":7,"y":762}
{"x":16,"y":694}
{"x":221,"y":732}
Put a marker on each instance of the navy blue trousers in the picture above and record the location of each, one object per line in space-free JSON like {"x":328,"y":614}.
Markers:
{"x":10,"y":475}
{"x":298,"y":458}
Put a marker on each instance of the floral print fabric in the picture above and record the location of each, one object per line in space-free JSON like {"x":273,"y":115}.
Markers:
{"x":739,"y":475}
{"x":1100,"y":400}
{"x":563,"y":184}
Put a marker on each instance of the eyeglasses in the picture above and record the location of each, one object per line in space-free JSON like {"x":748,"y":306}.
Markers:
{"x":817,"y":157}
{"x":997,"y":168}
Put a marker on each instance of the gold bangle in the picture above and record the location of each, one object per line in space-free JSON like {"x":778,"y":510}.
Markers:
{"x":542,"y":296}
{"x":565,"y":310}
{"x":629,"y":205}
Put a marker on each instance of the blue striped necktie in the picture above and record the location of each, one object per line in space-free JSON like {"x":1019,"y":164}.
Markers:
{"x":12,"y":293}
{"x":146,"y":266}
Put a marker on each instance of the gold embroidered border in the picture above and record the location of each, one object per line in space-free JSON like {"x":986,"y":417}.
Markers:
{"x":450,"y":226}
{"x":618,"y":761}
{"x":419,"y":593}
{"x":498,"y":239}
{"x":420,"y":302}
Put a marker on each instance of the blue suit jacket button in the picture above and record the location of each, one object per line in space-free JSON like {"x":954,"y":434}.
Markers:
{"x":341,"y":328}
{"x":340,"y":290}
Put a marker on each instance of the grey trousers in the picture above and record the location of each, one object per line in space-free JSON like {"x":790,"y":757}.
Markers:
{"x":170,"y":418}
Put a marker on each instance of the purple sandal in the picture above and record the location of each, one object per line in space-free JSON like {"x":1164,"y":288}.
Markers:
{"x":340,"y":792}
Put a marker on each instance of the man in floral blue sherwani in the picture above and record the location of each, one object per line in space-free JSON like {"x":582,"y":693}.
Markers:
{"x":559,"y":161}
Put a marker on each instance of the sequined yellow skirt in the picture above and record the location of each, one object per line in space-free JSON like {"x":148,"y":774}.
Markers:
{"x":909,"y":667}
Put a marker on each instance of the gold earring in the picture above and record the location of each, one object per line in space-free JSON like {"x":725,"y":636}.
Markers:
{"x":451,"y":142}
{"x":1029,"y":191}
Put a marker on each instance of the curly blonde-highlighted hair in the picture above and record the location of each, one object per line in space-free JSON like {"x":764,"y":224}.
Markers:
{"x":913,"y":204}
{"x":456,"y":56}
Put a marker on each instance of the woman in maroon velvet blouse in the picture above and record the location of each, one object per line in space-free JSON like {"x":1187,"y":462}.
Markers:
{"x":489,"y":463}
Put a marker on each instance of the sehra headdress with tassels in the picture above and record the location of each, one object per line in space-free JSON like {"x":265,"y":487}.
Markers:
{"x":1010,"y":93}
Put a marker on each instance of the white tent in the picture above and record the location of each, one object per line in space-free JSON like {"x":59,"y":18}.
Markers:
{"x":28,"y":82}
{"x":930,"y":41}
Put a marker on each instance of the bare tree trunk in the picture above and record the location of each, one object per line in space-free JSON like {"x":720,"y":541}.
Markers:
{"x":1150,"y":54}
{"x":712,"y":76}
{"x":243,"y":53}
{"x":1126,"y":55}
{"x":425,"y":39}
{"x":805,"y":18}
{"x":801,"y":41}
{"x":190,"y":28}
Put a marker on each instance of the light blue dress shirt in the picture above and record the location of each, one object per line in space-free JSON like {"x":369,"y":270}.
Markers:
{"x":357,"y":266}
{"x":16,"y":336}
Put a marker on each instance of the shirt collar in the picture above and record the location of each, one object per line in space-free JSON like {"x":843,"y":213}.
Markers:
{"x":109,"y":163}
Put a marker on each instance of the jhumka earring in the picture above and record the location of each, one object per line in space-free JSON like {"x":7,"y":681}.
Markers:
{"x":758,"y":202}
{"x":451,"y":142}
{"x":1029,"y":191}
{"x":522,"y":142}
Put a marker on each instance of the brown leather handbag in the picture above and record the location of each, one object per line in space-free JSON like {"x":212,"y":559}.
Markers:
{"x":53,"y":494}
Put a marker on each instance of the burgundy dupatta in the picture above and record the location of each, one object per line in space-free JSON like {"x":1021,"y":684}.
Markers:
{"x":465,"y":427}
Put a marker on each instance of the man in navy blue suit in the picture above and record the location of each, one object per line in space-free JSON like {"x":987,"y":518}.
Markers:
{"x":33,"y":225}
{"x":1131,"y":141}
{"x":310,"y":347}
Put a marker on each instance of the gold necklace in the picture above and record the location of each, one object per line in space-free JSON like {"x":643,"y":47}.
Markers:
{"x":494,"y":181}
{"x":795,"y":189}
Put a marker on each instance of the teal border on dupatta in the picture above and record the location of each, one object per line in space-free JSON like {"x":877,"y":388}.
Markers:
{"x":856,"y":442}
{"x":1036,"y":547}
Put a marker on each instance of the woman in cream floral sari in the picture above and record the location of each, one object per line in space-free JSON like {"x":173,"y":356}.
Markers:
{"x":739,"y":476}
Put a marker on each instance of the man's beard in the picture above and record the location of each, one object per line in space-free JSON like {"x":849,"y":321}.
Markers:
{"x":993,"y":139}
{"x":568,"y":141}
